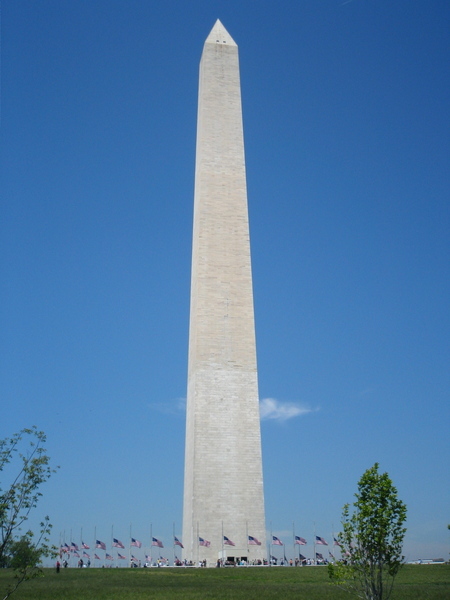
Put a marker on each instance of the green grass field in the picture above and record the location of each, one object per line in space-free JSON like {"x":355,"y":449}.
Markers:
{"x":422,"y":582}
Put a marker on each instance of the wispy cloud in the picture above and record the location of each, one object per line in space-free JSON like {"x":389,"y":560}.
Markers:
{"x":270,"y":408}
{"x":177,"y":406}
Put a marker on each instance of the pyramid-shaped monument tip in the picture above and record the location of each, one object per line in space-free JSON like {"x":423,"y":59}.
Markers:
{"x":219,"y":35}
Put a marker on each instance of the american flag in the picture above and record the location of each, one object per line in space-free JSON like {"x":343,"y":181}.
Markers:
{"x":148,"y":558}
{"x":331,"y":554}
{"x":117,"y":543}
{"x":320,"y":540}
{"x":276,"y":541}
{"x":108,"y":557}
{"x":202,"y":542}
{"x":66,"y":548}
{"x":227,"y":541}
{"x":99,"y":544}
{"x":302,"y":557}
{"x":75,"y":553}
{"x":177,"y":542}
{"x":121,"y":556}
{"x":133,"y":558}
{"x":319,"y":556}
{"x":136,"y":543}
{"x":85,"y":546}
{"x":156,"y":542}
{"x":73,"y":547}
{"x":252,"y":541}
{"x":97,"y":557}
{"x":300,"y":541}
{"x":86,"y":555}
{"x":336,"y":543}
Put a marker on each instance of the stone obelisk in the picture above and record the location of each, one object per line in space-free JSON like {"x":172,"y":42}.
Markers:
{"x":223,"y":486}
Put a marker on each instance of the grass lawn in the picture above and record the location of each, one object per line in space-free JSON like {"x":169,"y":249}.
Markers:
{"x":415,"y":582}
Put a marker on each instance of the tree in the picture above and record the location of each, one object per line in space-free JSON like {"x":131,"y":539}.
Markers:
{"x":372,"y":538}
{"x":30,"y":467}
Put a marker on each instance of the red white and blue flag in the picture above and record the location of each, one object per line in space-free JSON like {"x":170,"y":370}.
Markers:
{"x":300,"y":541}
{"x":101,"y":545}
{"x":336,"y":543}
{"x":177,"y":542}
{"x":156,"y":542}
{"x":202,"y":542}
{"x":252,"y":541}
{"x":227,"y":541}
{"x":97,"y":557}
{"x":320,"y":540}
{"x":108,"y":557}
{"x":117,"y":543}
{"x":121,"y":556}
{"x":86,"y":555}
{"x":73,"y":547}
{"x":136,"y":543}
{"x":276,"y":541}
{"x":85,"y":546}
{"x":319,"y":556}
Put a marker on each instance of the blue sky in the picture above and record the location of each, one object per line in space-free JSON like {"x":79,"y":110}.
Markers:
{"x":346,"y":126}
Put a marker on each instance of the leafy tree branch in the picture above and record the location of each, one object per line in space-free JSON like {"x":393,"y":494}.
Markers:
{"x":31,"y":465}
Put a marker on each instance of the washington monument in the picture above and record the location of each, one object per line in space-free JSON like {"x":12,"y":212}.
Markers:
{"x":223,"y":484}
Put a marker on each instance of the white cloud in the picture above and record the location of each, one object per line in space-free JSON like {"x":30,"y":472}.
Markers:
{"x":177,"y":406}
{"x":270,"y":408}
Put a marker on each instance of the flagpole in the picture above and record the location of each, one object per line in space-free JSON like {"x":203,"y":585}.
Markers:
{"x":95,"y":542}
{"x":151,"y":542}
{"x":248,"y":549}
{"x":293,"y":539}
{"x":271,"y":543}
{"x":332,"y":537}
{"x":315,"y":564}
{"x":222,"y":541}
{"x":173,"y":541}
{"x":198,"y":552}
{"x":129,"y":549}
